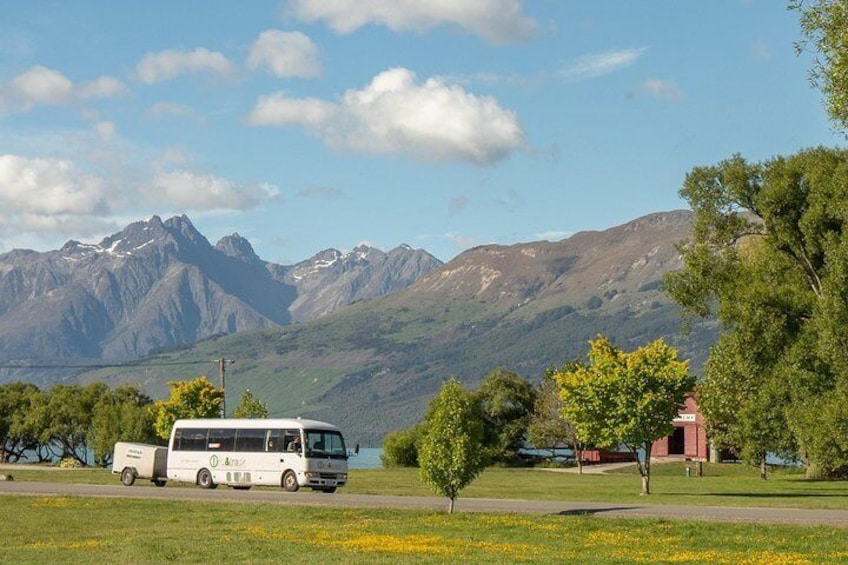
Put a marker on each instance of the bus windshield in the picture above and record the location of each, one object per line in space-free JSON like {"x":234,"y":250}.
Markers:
{"x":325,"y":443}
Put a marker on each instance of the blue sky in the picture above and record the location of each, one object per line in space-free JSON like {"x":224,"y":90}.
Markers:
{"x":309,"y":124}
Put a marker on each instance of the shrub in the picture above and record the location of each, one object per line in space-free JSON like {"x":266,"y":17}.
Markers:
{"x":400,"y":448}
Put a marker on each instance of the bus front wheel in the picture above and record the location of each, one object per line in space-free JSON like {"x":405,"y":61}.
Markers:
{"x":290,"y":481}
{"x":204,"y":479}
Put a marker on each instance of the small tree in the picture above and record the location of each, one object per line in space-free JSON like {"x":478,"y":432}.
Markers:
{"x":451,"y":454}
{"x":626,"y":398}
{"x":197,"y":398}
{"x":250,"y":407}
{"x":548,"y":428}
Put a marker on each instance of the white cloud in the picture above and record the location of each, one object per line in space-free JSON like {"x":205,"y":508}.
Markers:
{"x":170,"y":64}
{"x":278,"y":110}
{"x":664,"y":89}
{"x":43,"y":197}
{"x":41,"y":86}
{"x":104,"y":87}
{"x":285,"y":54}
{"x":499,"y":21}
{"x":45,"y":186}
{"x":202,"y":191}
{"x":599,"y":64}
{"x":395,"y":113}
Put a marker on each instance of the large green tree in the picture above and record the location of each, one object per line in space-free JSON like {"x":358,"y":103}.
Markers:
{"x":196,"y":398}
{"x":69,"y":412}
{"x":506,"y":406}
{"x":122,"y":414}
{"x":451,"y":454}
{"x":769,"y":255}
{"x":15,"y":400}
{"x":825,"y":27}
{"x":627,"y":398}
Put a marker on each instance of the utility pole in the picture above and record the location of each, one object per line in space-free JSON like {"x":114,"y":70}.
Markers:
{"x":222,"y":368}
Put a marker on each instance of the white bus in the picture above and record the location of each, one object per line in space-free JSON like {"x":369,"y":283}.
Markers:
{"x":290,"y":453}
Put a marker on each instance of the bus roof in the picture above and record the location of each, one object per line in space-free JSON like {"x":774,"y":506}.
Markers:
{"x":255,"y":423}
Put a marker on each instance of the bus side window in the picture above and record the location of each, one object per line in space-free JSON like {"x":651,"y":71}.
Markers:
{"x":273,"y":441}
{"x":292,"y":441}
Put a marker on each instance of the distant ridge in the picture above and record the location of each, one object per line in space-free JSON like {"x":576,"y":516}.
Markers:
{"x":160,"y":284}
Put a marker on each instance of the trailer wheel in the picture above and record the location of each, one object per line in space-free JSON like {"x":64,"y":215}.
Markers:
{"x":290,"y":481}
{"x":204,"y":479}
{"x":159,"y":482}
{"x":128,"y":476}
{"x":328,"y":490}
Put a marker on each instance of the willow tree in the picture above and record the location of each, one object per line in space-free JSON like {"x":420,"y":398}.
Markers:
{"x":825,"y":27}
{"x":769,"y":256}
{"x":627,"y":398}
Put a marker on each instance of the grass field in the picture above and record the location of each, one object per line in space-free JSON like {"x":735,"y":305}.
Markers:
{"x":82,"y":530}
{"x":722,"y":485}
{"x":86,"y":530}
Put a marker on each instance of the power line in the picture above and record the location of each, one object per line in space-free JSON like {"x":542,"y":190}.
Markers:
{"x":106,"y":366}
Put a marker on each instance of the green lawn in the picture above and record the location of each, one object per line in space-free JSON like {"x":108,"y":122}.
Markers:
{"x":85,"y":530}
{"x":722,"y":484}
{"x":80,"y":530}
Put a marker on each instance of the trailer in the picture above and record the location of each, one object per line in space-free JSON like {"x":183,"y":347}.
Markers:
{"x":140,"y":461}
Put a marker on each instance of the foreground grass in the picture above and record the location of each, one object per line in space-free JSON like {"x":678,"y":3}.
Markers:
{"x":85,"y":530}
{"x":721,"y":485}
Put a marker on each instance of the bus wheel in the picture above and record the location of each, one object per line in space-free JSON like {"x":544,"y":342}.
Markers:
{"x":128,"y":476}
{"x":204,"y":479}
{"x":290,"y":481}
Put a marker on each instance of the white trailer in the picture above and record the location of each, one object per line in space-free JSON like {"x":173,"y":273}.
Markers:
{"x":140,"y":461}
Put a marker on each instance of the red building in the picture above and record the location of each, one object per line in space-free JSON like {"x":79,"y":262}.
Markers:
{"x":689,"y":439}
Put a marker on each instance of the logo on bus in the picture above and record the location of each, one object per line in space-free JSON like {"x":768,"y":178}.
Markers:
{"x":213,"y":461}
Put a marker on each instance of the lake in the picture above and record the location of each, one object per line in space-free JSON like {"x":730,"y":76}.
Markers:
{"x":368,"y":458}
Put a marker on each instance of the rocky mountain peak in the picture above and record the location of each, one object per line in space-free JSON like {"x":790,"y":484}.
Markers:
{"x":237,"y":247}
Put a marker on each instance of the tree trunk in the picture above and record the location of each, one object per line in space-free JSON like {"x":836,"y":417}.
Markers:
{"x":763,"y":467}
{"x":578,"y":456}
{"x":645,"y":469}
{"x":450,"y":505}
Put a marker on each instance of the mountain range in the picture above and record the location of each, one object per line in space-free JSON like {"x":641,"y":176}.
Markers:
{"x":158,"y":285}
{"x":371,"y":362}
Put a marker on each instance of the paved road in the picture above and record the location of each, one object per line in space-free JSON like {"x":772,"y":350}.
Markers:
{"x":223,"y":494}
